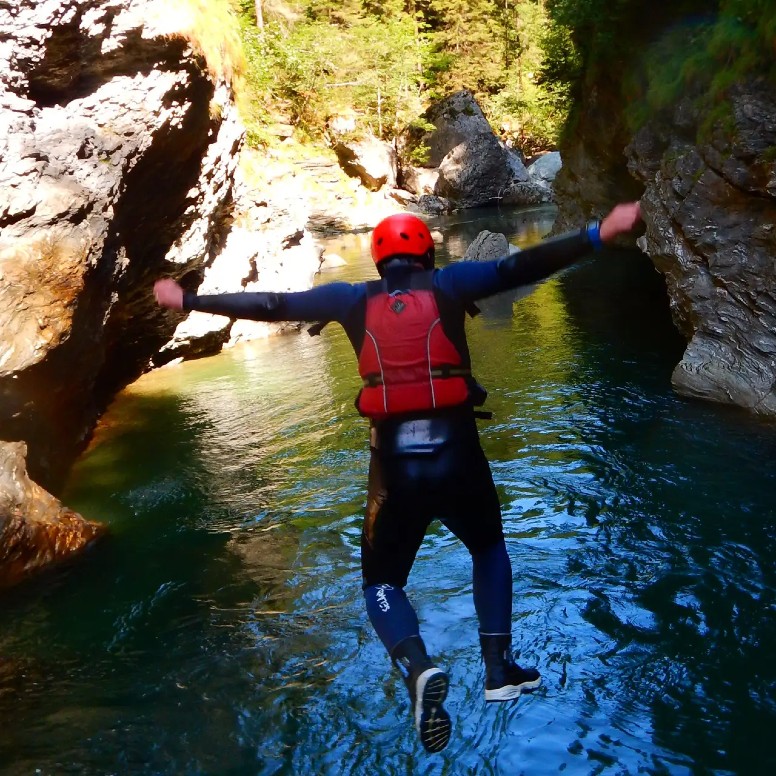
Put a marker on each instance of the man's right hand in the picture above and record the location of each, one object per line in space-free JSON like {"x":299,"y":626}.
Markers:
{"x":622,"y":219}
{"x":169,"y":294}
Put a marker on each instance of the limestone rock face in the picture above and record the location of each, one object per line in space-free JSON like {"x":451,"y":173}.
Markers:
{"x":707,"y":188}
{"x":711,"y":230}
{"x":117,"y":152}
{"x":36,"y":531}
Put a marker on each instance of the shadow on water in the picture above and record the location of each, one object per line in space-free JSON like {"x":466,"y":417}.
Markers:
{"x":221,"y":629}
{"x":681,"y":576}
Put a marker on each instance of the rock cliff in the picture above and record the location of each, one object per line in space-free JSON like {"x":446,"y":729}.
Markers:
{"x":711,"y":230}
{"x":117,"y":152}
{"x":707,"y":184}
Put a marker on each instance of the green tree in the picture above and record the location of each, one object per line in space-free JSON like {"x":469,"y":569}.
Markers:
{"x":386,"y":61}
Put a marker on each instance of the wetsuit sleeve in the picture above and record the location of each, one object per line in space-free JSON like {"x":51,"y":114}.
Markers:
{"x":331,"y":302}
{"x":472,"y":280}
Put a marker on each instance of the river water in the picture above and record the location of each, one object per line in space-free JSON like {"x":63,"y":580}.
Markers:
{"x":221,"y":630}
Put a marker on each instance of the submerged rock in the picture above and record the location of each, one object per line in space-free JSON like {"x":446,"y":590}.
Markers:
{"x":36,"y":530}
{"x":486,"y":246}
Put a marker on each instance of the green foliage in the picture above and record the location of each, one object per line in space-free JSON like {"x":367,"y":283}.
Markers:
{"x":417,"y":151}
{"x":526,"y":61}
{"x":529,"y":109}
{"x":661,"y":53}
{"x":385,"y":62}
{"x":333,"y":62}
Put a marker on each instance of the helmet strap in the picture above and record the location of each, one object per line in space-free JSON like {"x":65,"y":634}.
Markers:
{"x":401,"y":261}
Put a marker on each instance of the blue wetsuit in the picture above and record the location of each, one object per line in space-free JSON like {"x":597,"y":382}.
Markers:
{"x":446,"y":476}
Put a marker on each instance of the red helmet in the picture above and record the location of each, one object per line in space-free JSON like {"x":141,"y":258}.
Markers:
{"x":402,"y":235}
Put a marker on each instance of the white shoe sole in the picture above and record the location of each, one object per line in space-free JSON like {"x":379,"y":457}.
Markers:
{"x":511,"y":692}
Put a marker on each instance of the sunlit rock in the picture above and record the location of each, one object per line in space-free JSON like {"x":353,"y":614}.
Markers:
{"x":117,"y":150}
{"x":331,"y":261}
{"x":371,"y":161}
{"x":419,"y":180}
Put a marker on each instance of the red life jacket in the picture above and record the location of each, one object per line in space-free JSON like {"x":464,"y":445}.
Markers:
{"x":407,"y":362}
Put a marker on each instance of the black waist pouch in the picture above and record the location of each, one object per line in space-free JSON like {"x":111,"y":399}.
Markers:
{"x":423,"y":436}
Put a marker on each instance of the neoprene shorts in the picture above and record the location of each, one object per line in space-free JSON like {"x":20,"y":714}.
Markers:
{"x":421,"y":470}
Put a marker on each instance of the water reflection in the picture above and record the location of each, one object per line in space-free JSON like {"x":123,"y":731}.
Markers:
{"x":221,"y":629}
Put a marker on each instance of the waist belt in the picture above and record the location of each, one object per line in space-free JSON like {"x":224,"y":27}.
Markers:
{"x":423,"y":436}
{"x":373,"y":380}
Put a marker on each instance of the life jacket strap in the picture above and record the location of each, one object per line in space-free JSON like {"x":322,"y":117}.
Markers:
{"x":375,"y":379}
{"x":451,"y":371}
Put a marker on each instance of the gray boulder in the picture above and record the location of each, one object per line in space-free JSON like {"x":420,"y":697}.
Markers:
{"x":546,"y":168}
{"x":474,"y":167}
{"x":486,"y":246}
{"x":432,"y":205}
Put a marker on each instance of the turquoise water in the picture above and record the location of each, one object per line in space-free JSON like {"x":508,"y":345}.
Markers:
{"x":220,"y":629}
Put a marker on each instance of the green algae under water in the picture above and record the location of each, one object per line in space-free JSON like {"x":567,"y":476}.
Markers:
{"x":220,"y":629}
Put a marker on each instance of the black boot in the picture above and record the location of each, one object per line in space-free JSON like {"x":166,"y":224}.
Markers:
{"x":427,"y":686}
{"x":504,"y":679}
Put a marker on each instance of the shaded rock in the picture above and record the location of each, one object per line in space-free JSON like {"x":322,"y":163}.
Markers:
{"x":428,"y":203}
{"x":594,"y":175}
{"x":710,"y":211}
{"x":478,"y":171}
{"x":528,"y":193}
{"x":36,"y":531}
{"x":487,"y":245}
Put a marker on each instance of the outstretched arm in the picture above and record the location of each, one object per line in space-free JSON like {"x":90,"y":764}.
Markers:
{"x":328,"y":303}
{"x":476,"y":280}
{"x":546,"y":258}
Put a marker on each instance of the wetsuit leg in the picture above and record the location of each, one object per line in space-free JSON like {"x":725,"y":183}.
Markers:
{"x":492,"y":584}
{"x":393,"y":531}
{"x":473,"y":513}
{"x":395,"y":523}
{"x":391,"y":614}
{"x":468,"y":504}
